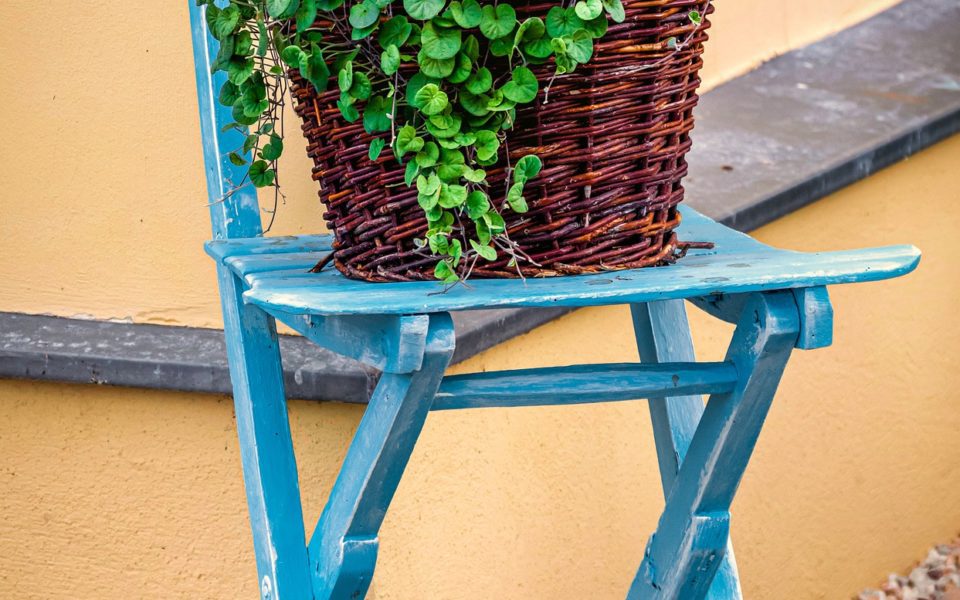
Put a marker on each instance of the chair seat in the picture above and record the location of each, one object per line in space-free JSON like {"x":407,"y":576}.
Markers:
{"x":275,"y":271}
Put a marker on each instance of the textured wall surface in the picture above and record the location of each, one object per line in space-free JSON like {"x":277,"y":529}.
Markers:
{"x":106,"y":212}
{"x":117,"y":493}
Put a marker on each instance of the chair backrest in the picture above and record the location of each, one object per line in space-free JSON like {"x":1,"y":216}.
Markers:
{"x":234,"y":212}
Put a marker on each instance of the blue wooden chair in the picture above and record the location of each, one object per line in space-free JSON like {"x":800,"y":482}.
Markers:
{"x":777,"y":299}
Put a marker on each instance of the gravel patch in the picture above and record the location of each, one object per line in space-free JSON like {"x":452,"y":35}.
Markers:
{"x":936,"y":578}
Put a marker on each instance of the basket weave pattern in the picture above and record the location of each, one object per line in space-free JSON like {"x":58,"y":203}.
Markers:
{"x":612,"y":137}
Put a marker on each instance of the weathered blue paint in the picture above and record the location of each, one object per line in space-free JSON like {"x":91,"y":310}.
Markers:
{"x":582,"y":384}
{"x":777,"y":298}
{"x":343,"y":548}
{"x":390,"y":343}
{"x":663,"y":335}
{"x":738,"y":265}
{"x":691,"y":538}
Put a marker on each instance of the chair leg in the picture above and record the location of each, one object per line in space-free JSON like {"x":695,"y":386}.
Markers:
{"x":343,"y":548}
{"x":684,"y":553}
{"x":663,"y":335}
{"x":266,"y":450}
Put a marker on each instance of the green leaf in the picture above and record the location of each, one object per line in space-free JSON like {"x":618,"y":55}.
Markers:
{"x":427,"y":157}
{"x":523,"y":87}
{"x":433,"y":67}
{"x":467,"y":14}
{"x":261,"y":175}
{"x":496,"y":22}
{"x":487,"y":252}
{"x":250,"y":142}
{"x":451,"y":165}
{"x":695,"y":17}
{"x":376,"y":115}
{"x":376,"y":147}
{"x":237,"y":159}
{"x":361,"y":87}
{"x":588,"y":9}
{"x":477,"y":204}
{"x":364,"y":15}
{"x":461,"y":72}
{"x":480,"y":81}
{"x":390,"y":60}
{"x":225,"y":22}
{"x":314,"y":68}
{"x":229,"y":94}
{"x":239,"y":70}
{"x":580,"y":46}
{"x":408,"y":141}
{"x":452,"y":196}
{"x":444,"y":126}
{"x":431,"y":100}
{"x":282,"y":9}
{"x":445,"y":273}
{"x":329,"y":4}
{"x":273,"y":149}
{"x":614,"y":8}
{"x":515,"y":198}
{"x":243,"y":43}
{"x":348,"y":111}
{"x":527,"y":168}
{"x":306,"y":14}
{"x":475,"y":175}
{"x":561,"y":22}
{"x":487,"y":144}
{"x":345,"y":76}
{"x":471,"y":48}
{"x":473,"y":103}
{"x":529,"y":30}
{"x":597,"y":27}
{"x":423,"y":10}
{"x":410,"y":172}
{"x":502,"y":46}
{"x":494,"y":221}
{"x":292,"y":55}
{"x":539,"y":48}
{"x":394,"y":32}
{"x":438,"y":42}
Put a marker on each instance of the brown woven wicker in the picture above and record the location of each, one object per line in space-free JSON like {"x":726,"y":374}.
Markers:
{"x":612,"y":137}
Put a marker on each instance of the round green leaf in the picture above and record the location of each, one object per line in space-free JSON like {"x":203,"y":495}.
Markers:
{"x":376,"y":114}
{"x":480,"y":81}
{"x":225,"y":22}
{"x":523,"y":87}
{"x":361,"y":86}
{"x":597,"y":27}
{"x":445,"y":273}
{"x":539,"y":48}
{"x":438,"y":42}
{"x":588,"y":9}
{"x":423,"y":10}
{"x":345,"y":76}
{"x":414,"y":84}
{"x":476,"y":105}
{"x":239,"y":70}
{"x":477,"y":204}
{"x":229,"y":94}
{"x":261,"y":175}
{"x":272,"y":150}
{"x":434,"y":67}
{"x":496,"y":22}
{"x":390,"y":60}
{"x":614,"y":8}
{"x":452,"y":196}
{"x":431,"y":100}
{"x":529,"y":30}
{"x":561,"y":22}
{"x":365,"y":14}
{"x":467,"y":14}
{"x":462,"y":70}
{"x":580,"y":46}
{"x":487,"y":144}
{"x":527,"y":168}
{"x":428,"y":156}
{"x":376,"y":147}
{"x":515,"y":198}
{"x":394,"y":32}
{"x":487,"y":252}
{"x":282,"y":9}
{"x":314,"y":68}
{"x":306,"y":14}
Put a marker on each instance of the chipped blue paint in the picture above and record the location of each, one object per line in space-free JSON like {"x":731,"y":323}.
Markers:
{"x":777,"y":298}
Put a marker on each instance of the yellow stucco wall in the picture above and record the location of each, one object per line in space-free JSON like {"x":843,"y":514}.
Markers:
{"x":121,"y":493}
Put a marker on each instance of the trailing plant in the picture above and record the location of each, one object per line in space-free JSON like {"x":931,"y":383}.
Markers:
{"x":436,"y":82}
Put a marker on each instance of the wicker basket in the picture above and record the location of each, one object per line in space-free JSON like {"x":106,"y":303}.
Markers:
{"x":612,"y":137}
